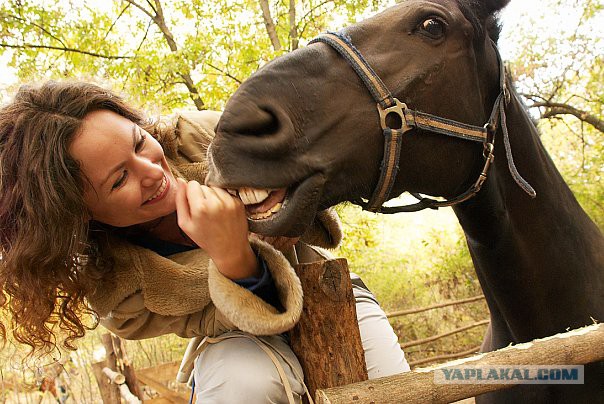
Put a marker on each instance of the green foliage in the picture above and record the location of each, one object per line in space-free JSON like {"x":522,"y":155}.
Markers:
{"x":558,"y":65}
{"x":405,"y":260}
{"x":150,"y":55}
{"x":416,"y":260}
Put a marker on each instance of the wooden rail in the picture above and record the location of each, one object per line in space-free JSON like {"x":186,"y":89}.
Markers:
{"x":434,"y":306}
{"x":422,"y":341}
{"x":577,"y":347}
{"x":445,"y":334}
{"x":437,"y":358}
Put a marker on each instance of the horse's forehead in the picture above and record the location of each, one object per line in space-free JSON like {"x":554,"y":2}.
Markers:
{"x":414,"y":9}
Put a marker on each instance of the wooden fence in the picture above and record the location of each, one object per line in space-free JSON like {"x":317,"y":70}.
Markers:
{"x":421,"y":341}
{"x":158,"y":377}
{"x":573,"y":348}
{"x":577,"y":347}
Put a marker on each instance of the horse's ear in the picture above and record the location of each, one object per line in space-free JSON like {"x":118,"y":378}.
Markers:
{"x":488,"y":7}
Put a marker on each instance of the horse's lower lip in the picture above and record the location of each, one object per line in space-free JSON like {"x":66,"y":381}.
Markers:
{"x":297,"y":212}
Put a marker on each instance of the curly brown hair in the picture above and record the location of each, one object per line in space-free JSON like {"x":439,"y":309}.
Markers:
{"x":44,"y":229}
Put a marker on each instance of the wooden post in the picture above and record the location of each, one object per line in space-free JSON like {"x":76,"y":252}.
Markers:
{"x":117,"y":361}
{"x":125,"y":367}
{"x":110,"y":392}
{"x":327,"y":340}
{"x":577,"y":347}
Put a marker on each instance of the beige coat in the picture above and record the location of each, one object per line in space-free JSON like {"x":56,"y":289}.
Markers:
{"x":147,"y":295}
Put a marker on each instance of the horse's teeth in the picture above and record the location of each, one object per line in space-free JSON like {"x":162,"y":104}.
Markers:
{"x":232,"y":192}
{"x":261,"y":215}
{"x":252,"y":196}
{"x":276,"y":208}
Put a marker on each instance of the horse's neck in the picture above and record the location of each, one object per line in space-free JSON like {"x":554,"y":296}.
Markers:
{"x":532,"y":256}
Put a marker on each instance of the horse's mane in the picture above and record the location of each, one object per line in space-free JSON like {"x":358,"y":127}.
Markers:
{"x":470,"y":9}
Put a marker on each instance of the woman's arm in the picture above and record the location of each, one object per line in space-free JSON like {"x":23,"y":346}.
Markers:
{"x":131,"y":319}
{"x":216,"y":222}
{"x":163,"y":307}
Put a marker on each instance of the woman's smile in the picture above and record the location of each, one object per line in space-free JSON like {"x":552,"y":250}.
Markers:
{"x":162,"y":191}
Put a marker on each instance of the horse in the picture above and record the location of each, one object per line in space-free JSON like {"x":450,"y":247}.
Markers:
{"x":304,"y":131}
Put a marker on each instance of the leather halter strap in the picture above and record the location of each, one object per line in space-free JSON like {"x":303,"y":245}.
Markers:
{"x":387,"y":104}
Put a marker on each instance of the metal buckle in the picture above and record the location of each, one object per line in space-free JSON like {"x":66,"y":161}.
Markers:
{"x":489,"y":156}
{"x":398,"y":109}
{"x":487,"y":149}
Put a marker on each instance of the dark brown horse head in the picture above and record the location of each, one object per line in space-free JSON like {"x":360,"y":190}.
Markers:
{"x":305,"y":123}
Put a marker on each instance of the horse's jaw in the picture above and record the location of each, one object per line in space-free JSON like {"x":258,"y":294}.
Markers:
{"x":289,"y":215}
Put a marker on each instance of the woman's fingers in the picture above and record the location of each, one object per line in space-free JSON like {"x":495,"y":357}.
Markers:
{"x":225,"y":197}
{"x":182,"y":205}
{"x":203,"y":201}
{"x":197,"y":204}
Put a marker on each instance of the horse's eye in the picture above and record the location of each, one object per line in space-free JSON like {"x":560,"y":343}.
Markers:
{"x":432,"y":27}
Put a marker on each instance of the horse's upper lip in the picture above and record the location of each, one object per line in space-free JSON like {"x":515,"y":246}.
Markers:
{"x":297,"y":209}
{"x":260,"y":203}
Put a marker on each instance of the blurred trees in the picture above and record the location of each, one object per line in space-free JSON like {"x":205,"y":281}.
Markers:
{"x":559,"y":71}
{"x":170,"y":54}
{"x":560,"y":68}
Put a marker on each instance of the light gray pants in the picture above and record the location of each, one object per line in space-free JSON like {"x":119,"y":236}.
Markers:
{"x":237,"y":370}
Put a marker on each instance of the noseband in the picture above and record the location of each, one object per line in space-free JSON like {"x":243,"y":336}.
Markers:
{"x":410,"y":119}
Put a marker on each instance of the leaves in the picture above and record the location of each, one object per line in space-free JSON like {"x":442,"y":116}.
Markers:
{"x":559,"y":70}
{"x":165,"y":55}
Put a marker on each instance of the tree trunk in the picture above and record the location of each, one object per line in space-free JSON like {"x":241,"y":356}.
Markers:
{"x":293,"y":28}
{"x":270,"y":25}
{"x":327,"y":339}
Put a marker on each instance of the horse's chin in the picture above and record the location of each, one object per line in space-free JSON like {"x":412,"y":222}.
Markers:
{"x":297,"y":211}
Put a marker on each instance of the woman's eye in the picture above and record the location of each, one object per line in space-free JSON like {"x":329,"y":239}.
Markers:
{"x":433,"y":27}
{"x":141,"y":143}
{"x":120,"y":180}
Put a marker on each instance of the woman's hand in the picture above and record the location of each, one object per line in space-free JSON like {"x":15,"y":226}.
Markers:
{"x":216,"y":222}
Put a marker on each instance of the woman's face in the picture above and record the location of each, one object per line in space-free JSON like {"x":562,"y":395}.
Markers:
{"x":131,"y":180}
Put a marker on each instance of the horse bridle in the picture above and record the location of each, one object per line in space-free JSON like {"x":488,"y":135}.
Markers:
{"x":387,"y":104}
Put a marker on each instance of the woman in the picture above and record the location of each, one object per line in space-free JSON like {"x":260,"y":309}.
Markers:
{"x":103,"y":212}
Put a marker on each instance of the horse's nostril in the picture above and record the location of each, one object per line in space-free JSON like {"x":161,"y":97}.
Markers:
{"x":269,"y":124}
{"x":260,"y":122}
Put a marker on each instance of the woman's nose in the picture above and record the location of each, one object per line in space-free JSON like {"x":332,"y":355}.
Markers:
{"x":150,"y":172}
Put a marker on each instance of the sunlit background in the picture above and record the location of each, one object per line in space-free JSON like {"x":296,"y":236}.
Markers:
{"x":552,"y":47}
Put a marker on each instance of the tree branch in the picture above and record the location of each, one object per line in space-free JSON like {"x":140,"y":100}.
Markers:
{"x":115,"y":21}
{"x":143,"y":9}
{"x":144,"y":36}
{"x":62,"y":48}
{"x":293,"y":28}
{"x":225,"y":73}
{"x":309,"y":13}
{"x":41,"y":28}
{"x":160,"y":21}
{"x":270,"y":25}
{"x":152,"y":6}
{"x":553,"y":109}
